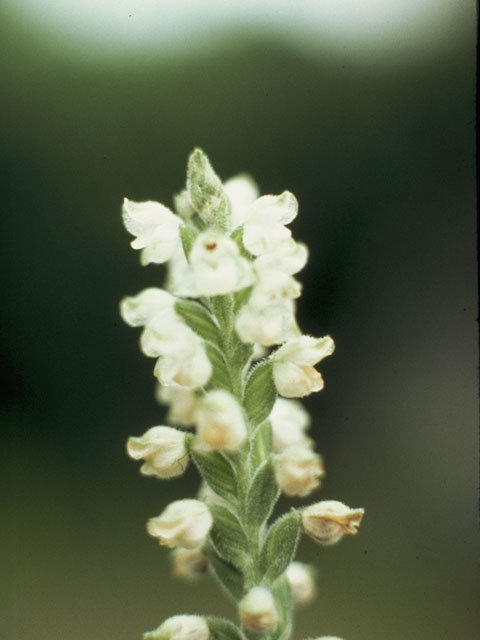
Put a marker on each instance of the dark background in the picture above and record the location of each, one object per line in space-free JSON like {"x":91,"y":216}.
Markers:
{"x":381,"y":158}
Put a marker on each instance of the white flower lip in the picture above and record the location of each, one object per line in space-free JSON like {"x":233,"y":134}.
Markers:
{"x":184,"y":523}
{"x":155,"y":228}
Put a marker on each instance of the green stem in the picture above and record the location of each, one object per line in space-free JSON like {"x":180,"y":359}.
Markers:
{"x":237,"y":356}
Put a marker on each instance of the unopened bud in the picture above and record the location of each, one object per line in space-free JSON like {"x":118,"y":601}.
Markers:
{"x":328,"y":521}
{"x":220,"y":422}
{"x":289,"y":422}
{"x":257,"y":610}
{"x":180,"y":628}
{"x":302,"y":584}
{"x":206,"y":191}
{"x":298,"y":470}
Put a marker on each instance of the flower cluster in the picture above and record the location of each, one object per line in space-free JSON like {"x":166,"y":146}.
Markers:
{"x":231,"y":362}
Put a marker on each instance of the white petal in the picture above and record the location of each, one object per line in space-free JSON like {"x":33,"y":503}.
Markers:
{"x":217,"y":266}
{"x":141,"y":217}
{"x":242,"y":191}
{"x":280,"y":209}
{"x":166,"y":335}
{"x":306,"y":350}
{"x":288,"y":256}
{"x":190,"y":370}
{"x":140,"y":309}
{"x":267,"y":325}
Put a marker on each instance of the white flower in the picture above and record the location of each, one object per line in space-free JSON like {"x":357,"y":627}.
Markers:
{"x":188,"y":564}
{"x":257,"y":610}
{"x":302,"y":584}
{"x":298,"y":470}
{"x":266,"y":326}
{"x":182,"y":404}
{"x":287,"y":256}
{"x":329,"y":638}
{"x":155,"y":228}
{"x":217,"y":266}
{"x":220,"y":422}
{"x":242,"y":190}
{"x":293,"y":370}
{"x":184,"y":523}
{"x":163,"y":450}
{"x":180,"y":628}
{"x":289,"y":422}
{"x":167,"y":335}
{"x":268,"y":318}
{"x":328,"y":521}
{"x":273,"y":287}
{"x":190,"y":367}
{"x":179,"y":276}
{"x":264,"y":224}
{"x":138,"y":310}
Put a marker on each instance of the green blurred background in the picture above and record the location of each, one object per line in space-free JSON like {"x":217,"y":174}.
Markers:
{"x":374,"y":133}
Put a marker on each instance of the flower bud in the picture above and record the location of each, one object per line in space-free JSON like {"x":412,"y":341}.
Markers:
{"x":328,"y":521}
{"x":289,"y":421}
{"x":220,"y":422}
{"x":180,"y":628}
{"x":257,"y":610}
{"x":293,"y":370}
{"x":184,"y":523}
{"x":206,"y":190}
{"x":155,"y":228}
{"x":302,"y":584}
{"x":163,"y":450}
{"x":298,"y":470}
{"x":188,"y":564}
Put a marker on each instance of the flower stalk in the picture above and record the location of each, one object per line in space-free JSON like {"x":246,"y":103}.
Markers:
{"x":229,"y":298}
